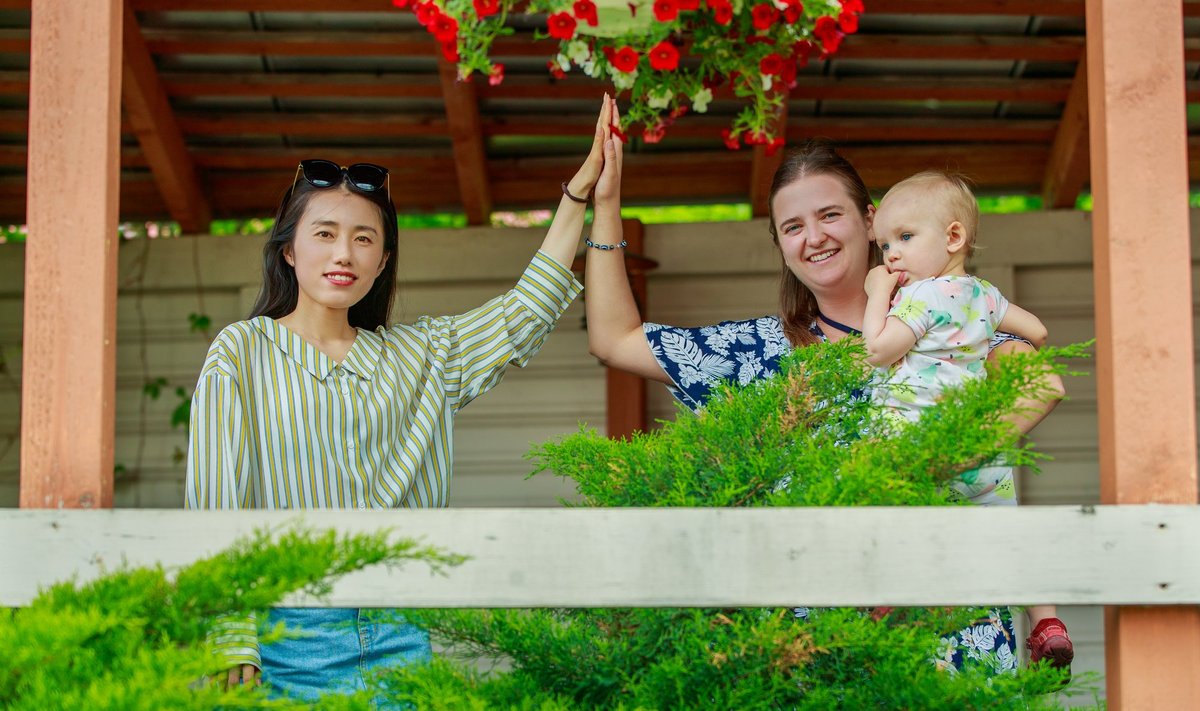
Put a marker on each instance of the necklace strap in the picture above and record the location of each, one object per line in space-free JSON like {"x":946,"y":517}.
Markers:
{"x":839,"y":326}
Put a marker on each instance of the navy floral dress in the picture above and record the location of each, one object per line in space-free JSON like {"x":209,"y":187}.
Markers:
{"x":698,"y":359}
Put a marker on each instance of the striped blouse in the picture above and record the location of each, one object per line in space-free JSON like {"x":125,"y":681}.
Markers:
{"x":276,"y":424}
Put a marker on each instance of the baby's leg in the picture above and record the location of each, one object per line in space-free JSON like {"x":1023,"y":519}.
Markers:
{"x":1048,"y":639}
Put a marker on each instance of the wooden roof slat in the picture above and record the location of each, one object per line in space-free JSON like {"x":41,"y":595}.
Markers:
{"x":467,"y":141}
{"x":271,"y":124}
{"x":150,"y":117}
{"x":417,"y":43}
{"x":1068,"y":166}
{"x":395,"y":86}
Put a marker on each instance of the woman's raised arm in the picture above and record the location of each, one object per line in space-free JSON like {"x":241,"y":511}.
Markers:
{"x":614,"y":325}
{"x":562,"y":239}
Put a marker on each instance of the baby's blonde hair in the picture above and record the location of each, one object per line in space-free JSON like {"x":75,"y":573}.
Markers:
{"x":953,"y":197}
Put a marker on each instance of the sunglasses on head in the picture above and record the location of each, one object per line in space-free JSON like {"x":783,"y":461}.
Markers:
{"x":365,"y":177}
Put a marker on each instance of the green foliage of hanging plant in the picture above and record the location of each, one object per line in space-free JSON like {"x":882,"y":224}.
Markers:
{"x":671,"y":56}
{"x":796,"y":439}
{"x":135,"y":638}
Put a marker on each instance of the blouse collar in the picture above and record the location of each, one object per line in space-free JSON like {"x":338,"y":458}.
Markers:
{"x":361,"y":359}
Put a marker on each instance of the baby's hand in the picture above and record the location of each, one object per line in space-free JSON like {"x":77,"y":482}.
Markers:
{"x":881,"y":282}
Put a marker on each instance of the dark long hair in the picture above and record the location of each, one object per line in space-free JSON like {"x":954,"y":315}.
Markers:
{"x":280,"y":290}
{"x":797,"y":303}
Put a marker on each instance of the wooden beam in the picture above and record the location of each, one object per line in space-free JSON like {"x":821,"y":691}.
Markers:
{"x":969,"y":47}
{"x":1067,"y":169}
{"x":274,"y":124}
{"x":283,"y":43}
{"x":1041,"y":8}
{"x":467,"y":141}
{"x":763,"y":167}
{"x":69,"y":347}
{"x":152,"y":121}
{"x":1145,"y":384}
{"x":668,"y":557}
{"x":417,"y":43}
{"x":395,"y":86}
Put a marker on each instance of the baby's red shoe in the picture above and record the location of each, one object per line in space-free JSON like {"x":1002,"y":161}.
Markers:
{"x":1049,"y":640}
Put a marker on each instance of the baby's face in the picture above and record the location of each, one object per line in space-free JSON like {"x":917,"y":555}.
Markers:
{"x":912,"y":233}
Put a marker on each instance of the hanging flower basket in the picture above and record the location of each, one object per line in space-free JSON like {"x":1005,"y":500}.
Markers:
{"x":672,"y":56}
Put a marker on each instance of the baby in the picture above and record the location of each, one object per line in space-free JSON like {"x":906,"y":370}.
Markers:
{"x":936,"y":331}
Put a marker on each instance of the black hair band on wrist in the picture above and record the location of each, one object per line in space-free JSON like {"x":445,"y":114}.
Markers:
{"x":567,"y":192}
{"x":606,"y":247}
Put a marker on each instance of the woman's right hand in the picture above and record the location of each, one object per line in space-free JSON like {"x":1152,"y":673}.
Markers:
{"x":608,"y":187}
{"x":242,"y":674}
{"x":585,"y":178}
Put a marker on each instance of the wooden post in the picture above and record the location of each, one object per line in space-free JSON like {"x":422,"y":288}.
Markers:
{"x":1144,"y":352}
{"x":69,"y":366}
{"x":625,"y":393}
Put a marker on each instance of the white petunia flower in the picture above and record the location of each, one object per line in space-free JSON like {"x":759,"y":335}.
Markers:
{"x":701,"y":99}
{"x":578,"y":51}
{"x":563,"y":62}
{"x":656,"y":100}
{"x":623,"y":80}
{"x":767,"y":81}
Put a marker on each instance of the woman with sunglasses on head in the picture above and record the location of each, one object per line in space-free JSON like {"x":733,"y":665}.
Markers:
{"x":316,"y":402}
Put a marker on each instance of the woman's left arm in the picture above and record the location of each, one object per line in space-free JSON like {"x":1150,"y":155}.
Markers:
{"x":1031,"y":411}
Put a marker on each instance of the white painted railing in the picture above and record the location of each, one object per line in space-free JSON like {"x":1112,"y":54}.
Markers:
{"x":1124,"y":555}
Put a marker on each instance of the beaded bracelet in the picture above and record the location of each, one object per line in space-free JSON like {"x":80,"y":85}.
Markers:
{"x":568,"y":194}
{"x":606,"y":247}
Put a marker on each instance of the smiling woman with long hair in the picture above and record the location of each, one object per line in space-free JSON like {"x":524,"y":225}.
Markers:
{"x":316,"y":401}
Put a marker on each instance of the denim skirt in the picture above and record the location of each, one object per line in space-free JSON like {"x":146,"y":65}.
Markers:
{"x":331,"y":650}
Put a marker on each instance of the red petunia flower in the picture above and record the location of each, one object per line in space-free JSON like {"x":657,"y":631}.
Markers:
{"x":625,"y":59}
{"x":679,"y":111}
{"x":722,"y":12}
{"x":689,"y":5}
{"x":853,"y":6}
{"x":788,"y":75}
{"x":427,"y":12}
{"x":730,"y":139}
{"x":848,"y":22}
{"x":666,"y":10}
{"x":486,"y":8}
{"x":771,"y":65}
{"x":664,"y":57}
{"x":792,"y":13}
{"x":562,"y":26}
{"x":772,"y":147}
{"x":826,"y":30}
{"x":765,"y":15}
{"x":450,"y":50}
{"x":586,"y":11}
{"x":444,"y":28}
{"x":496,"y":76}
{"x":401,"y":3}
{"x":555,"y":70}
{"x":757,"y":138}
{"x":654,"y":134}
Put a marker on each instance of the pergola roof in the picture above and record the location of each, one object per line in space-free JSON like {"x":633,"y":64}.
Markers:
{"x":221,"y":98}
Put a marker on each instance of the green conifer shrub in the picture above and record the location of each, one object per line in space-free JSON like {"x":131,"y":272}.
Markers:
{"x":793,"y":440}
{"x":135,"y":638}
